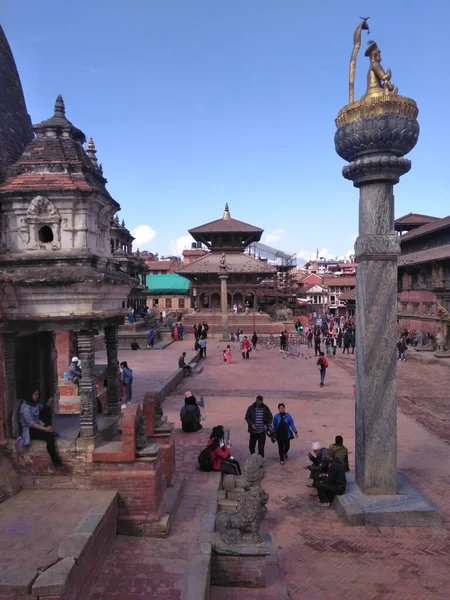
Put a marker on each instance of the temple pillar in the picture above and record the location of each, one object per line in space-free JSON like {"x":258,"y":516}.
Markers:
{"x":9,"y":384}
{"x":224,"y":306}
{"x":112,"y":370}
{"x":88,"y":408}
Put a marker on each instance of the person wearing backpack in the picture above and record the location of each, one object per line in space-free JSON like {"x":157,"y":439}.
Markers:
{"x":322,"y":365}
{"x":219,"y":453}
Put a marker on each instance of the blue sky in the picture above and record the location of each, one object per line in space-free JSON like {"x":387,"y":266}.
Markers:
{"x":194,"y":103}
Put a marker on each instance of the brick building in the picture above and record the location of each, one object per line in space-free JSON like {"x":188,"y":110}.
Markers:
{"x":424,"y":277}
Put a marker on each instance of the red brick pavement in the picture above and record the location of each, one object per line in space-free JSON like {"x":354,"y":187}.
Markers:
{"x":315,"y":556}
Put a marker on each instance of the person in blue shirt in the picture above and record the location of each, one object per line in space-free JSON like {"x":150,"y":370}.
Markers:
{"x":283,"y":430}
{"x":127,"y":375}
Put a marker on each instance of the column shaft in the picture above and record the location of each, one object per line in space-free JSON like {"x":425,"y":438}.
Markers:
{"x":9,"y":390}
{"x":88,"y":408}
{"x":112,"y":370}
{"x":224,"y":306}
{"x":376,"y":332}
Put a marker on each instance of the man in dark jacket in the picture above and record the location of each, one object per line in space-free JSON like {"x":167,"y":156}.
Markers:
{"x":333,"y":482}
{"x":259,"y":419}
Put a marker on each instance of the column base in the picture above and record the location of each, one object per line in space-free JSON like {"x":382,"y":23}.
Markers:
{"x":409,"y":507}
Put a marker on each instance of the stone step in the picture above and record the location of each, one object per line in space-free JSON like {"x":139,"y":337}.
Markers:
{"x":150,"y":451}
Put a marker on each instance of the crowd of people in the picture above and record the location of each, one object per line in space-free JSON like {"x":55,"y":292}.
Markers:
{"x":327,"y":466}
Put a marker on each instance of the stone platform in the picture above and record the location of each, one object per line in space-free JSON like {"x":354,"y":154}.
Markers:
{"x":52,"y":543}
{"x":408,"y":508}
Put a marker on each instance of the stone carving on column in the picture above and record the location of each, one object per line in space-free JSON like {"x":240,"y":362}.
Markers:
{"x":9,"y":359}
{"x":112,"y":370}
{"x":242,"y":527}
{"x":87,"y":390}
{"x":141,"y":433}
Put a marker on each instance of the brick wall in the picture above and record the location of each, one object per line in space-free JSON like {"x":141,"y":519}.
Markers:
{"x":63,"y":348}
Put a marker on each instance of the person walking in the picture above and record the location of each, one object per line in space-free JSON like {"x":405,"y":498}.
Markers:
{"x":317,"y":341}
{"x":246,"y":347}
{"x":259,"y":418}
{"x":254,"y":340}
{"x":282,"y":341}
{"x":401,"y":345}
{"x":127,"y":374}
{"x":322,"y":365}
{"x":202,"y":344}
{"x":283,"y":430}
{"x":151,"y":338}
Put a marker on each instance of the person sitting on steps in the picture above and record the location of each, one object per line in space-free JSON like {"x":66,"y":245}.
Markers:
{"x":219,"y":453}
{"x":182,"y":365}
{"x":36,"y":422}
{"x":333,"y":482}
{"x":190,"y":415}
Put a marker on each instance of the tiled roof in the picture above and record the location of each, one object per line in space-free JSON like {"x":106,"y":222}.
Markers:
{"x":161,"y":265}
{"x":237,"y":262}
{"x":439,"y":253}
{"x":349,"y":295}
{"x":414,"y":219}
{"x":225,"y":225}
{"x":425,"y":229}
{"x":339,"y":281}
{"x":55,"y":160}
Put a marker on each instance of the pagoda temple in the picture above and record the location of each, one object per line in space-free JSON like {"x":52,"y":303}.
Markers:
{"x":226,"y":240}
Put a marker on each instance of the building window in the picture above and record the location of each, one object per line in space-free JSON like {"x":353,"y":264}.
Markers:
{"x":404,"y":307}
{"x":181,"y":303}
{"x":45,"y":234}
{"x":168,"y":302}
{"x":415,"y":307}
{"x":332,"y":299}
{"x":428,"y":306}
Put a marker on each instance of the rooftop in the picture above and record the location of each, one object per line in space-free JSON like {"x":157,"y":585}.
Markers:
{"x":422,"y":256}
{"x":340,"y":281}
{"x":167,"y":284}
{"x":415,"y":219}
{"x":225,"y":225}
{"x":432,"y":227}
{"x":235,"y":263}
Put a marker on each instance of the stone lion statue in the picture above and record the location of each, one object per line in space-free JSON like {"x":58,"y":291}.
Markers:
{"x":242,"y":526}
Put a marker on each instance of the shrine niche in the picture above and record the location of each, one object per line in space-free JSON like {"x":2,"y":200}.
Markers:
{"x":43,"y":225}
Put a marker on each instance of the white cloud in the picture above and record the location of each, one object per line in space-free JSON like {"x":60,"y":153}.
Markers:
{"x":143,"y":235}
{"x":181,"y":244}
{"x":273,"y":236}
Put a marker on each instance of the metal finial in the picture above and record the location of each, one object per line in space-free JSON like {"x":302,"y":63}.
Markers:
{"x":226,"y":213}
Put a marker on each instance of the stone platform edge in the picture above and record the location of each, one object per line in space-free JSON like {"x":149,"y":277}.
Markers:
{"x":408,"y":508}
{"x":80,"y":556}
{"x":197,"y":579}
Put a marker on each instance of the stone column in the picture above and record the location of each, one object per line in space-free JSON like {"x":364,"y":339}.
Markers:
{"x":9,"y":384}
{"x":224,"y":306}
{"x":112,"y":370}
{"x":88,"y":409}
{"x":376,"y":248}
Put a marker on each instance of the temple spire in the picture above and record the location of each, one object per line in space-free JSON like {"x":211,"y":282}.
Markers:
{"x":91,"y":151}
{"x":60,"y":109}
{"x":226,"y":213}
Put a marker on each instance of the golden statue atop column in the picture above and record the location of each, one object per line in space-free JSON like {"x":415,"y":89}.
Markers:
{"x":381,"y":94}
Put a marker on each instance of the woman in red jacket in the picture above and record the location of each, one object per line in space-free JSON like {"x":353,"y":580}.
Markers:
{"x":219,"y":453}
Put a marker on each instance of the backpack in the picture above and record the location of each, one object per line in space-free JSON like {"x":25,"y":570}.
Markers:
{"x":324,"y":362}
{"x":204,"y":460}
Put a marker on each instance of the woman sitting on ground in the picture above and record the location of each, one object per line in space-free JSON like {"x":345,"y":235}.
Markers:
{"x":190,"y":415}
{"x":36,"y":422}
{"x":219,"y":453}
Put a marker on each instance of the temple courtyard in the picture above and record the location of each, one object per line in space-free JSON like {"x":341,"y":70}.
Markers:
{"x":315,"y":556}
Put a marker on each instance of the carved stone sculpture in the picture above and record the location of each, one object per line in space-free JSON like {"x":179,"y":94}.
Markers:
{"x":141,"y":433}
{"x":242,"y":527}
